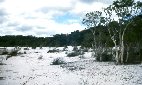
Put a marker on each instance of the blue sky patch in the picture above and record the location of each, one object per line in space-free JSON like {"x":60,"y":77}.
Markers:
{"x":66,"y":18}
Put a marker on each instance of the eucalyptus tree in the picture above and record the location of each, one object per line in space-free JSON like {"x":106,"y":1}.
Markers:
{"x":120,"y":13}
{"x":92,"y":20}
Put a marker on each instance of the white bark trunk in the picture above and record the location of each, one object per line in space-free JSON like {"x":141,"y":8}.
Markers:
{"x":127,"y":54}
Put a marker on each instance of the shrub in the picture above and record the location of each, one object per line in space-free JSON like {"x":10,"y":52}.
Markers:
{"x":33,"y":47}
{"x":4,"y":53}
{"x":72,"y":54}
{"x":40,"y":57}
{"x":75,"y":53}
{"x":65,"y":48}
{"x":22,"y":56}
{"x":107,"y":57}
{"x":66,"y":52}
{"x":24,"y":52}
{"x":104,"y":57}
{"x":41,"y":47}
{"x":26,"y":48}
{"x":58,"y":61}
{"x":85,"y":50}
{"x":82,"y":56}
{"x":52,"y":51}
{"x":134,"y":56}
{"x":75,"y":48}
{"x":13,"y":53}
{"x":2,"y":64}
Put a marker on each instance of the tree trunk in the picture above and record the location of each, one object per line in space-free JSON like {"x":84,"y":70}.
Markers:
{"x":122,"y":45}
{"x":116,"y":54}
{"x":127,"y":55}
{"x":94,"y":42}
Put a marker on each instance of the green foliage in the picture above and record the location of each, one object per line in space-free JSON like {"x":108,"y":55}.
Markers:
{"x":58,"y":61}
{"x":75,"y":53}
{"x":22,"y":41}
{"x":75,"y":48}
{"x":104,"y":57}
{"x":53,"y":51}
{"x":26,"y":48}
{"x":85,"y":50}
{"x":33,"y":47}
{"x":4,"y":53}
{"x":135,"y":56}
{"x":14,"y":53}
{"x":65,"y":48}
{"x":92,"y":19}
{"x":72,"y":54}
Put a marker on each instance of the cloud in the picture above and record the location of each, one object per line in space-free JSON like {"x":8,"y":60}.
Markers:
{"x":82,"y":8}
{"x":2,"y":19}
{"x":1,"y":1}
{"x":101,"y":1}
{"x":12,"y":24}
{"x":23,"y":28}
{"x":59,"y":9}
{"x":43,"y":34}
{"x":87,"y":1}
{"x":2,"y":16}
{"x":45,"y":17}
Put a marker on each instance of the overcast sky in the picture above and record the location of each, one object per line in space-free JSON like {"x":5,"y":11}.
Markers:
{"x":45,"y":17}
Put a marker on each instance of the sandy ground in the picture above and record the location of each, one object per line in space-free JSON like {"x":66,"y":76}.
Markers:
{"x":28,"y":69}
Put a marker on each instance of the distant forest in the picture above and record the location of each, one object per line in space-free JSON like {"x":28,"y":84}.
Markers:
{"x":83,"y":38}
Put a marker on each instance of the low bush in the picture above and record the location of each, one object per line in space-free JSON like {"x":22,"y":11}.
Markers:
{"x":82,"y":56}
{"x":25,"y":52}
{"x":72,"y":54}
{"x":13,"y":53}
{"x":40,"y":57}
{"x":104,"y":57}
{"x":65,"y":48}
{"x":26,"y":48}
{"x":53,"y":51}
{"x":58,"y":61}
{"x":34,"y":47}
{"x":4,"y":53}
{"x":41,"y":47}
{"x":85,"y":50}
{"x":75,"y":53}
{"x":75,"y":48}
{"x":107,"y":57}
{"x":134,"y":56}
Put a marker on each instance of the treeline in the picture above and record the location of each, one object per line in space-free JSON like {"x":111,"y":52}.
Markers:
{"x":23,"y":41}
{"x":76,"y":38}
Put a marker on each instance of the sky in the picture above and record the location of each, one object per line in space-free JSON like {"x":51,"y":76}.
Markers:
{"x":44,"y":18}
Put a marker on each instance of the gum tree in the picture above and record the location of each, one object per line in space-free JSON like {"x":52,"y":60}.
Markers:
{"x":121,"y":12}
{"x":92,"y":20}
